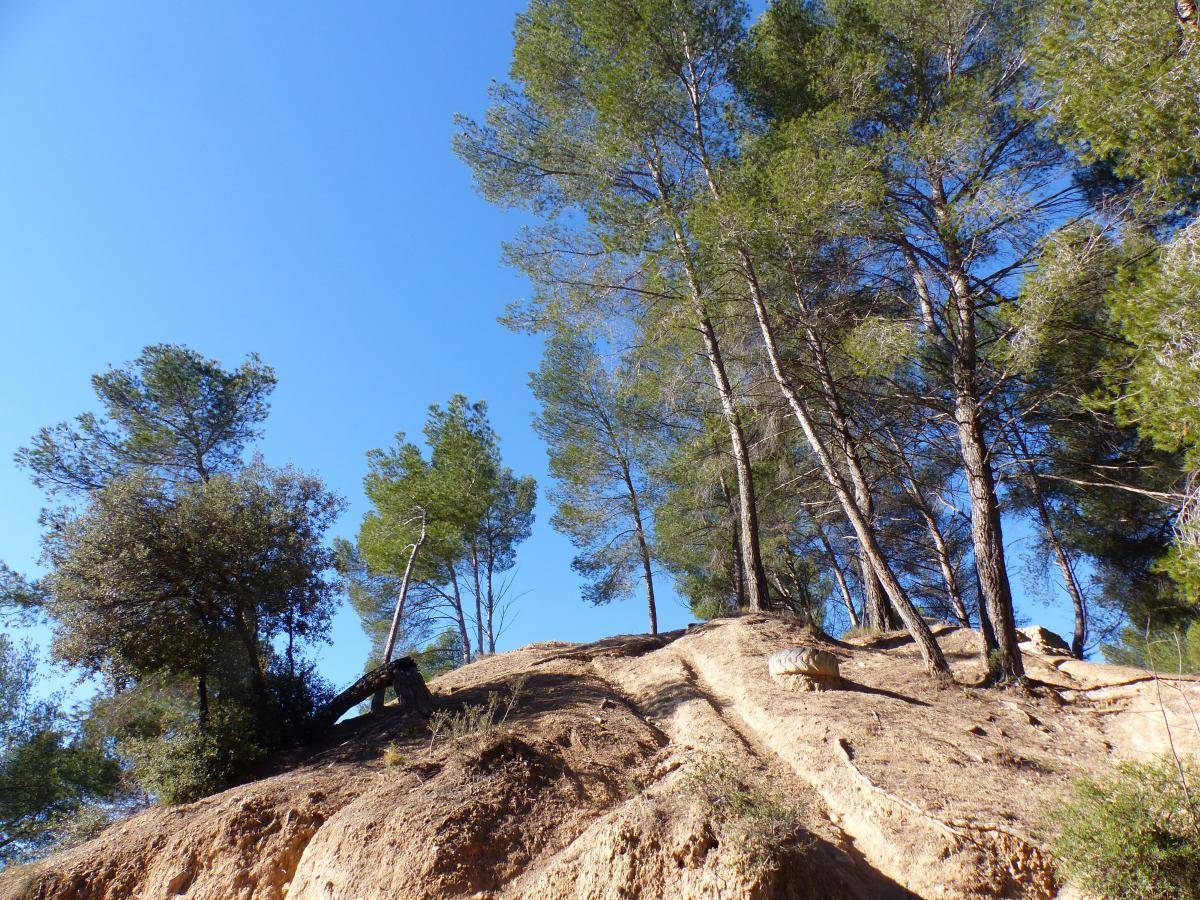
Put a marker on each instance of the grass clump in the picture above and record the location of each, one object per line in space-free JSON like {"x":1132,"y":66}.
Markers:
{"x":861,"y":633}
{"x":474,"y":725}
{"x":754,"y":820}
{"x":1135,"y":834}
{"x":392,"y":756}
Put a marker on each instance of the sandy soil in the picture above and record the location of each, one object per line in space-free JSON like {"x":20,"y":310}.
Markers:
{"x":589,"y":787}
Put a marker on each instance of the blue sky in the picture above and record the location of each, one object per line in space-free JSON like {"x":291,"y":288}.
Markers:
{"x":270,"y":177}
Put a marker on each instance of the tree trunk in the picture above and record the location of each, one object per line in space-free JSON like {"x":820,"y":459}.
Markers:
{"x":876,"y":613}
{"x":949,"y":577}
{"x":739,"y":570}
{"x":757,"y":590}
{"x":478,"y":599}
{"x":403,"y":676}
{"x":987,"y":635}
{"x":202,"y":701}
{"x":922,"y":636}
{"x":986,"y":530}
{"x":397,"y":615}
{"x":841,"y":578}
{"x":461,"y":620}
{"x":940,"y":550}
{"x":635,"y":511}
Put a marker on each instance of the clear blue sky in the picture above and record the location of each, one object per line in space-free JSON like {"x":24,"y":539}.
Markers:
{"x":271,"y":177}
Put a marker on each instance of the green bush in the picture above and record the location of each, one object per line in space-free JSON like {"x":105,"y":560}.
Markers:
{"x":190,"y":762}
{"x":756,"y":820}
{"x":1135,"y":834}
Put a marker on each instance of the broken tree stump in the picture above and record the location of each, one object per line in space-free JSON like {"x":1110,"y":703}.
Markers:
{"x":402,"y":674}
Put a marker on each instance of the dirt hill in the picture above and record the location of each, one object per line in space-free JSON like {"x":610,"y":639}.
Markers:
{"x":662,"y":767}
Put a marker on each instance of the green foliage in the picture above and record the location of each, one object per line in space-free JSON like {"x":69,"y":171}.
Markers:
{"x":1156,"y":311}
{"x":1170,"y":650}
{"x":51,"y":777}
{"x":191,"y":762}
{"x":143,"y":583}
{"x":590,"y":420}
{"x":185,"y":578}
{"x":1122,"y":77}
{"x":19,"y":600}
{"x":171,"y":413}
{"x":755,"y":821}
{"x":1134,"y":834}
{"x":442,"y":655}
{"x":475,"y":511}
{"x":174,"y":756}
{"x":879,"y":346}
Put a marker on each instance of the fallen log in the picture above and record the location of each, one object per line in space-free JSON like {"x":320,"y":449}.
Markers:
{"x":402,"y":674}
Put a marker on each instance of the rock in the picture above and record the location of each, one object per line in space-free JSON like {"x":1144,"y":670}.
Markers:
{"x":1044,"y":641}
{"x":804,"y":669}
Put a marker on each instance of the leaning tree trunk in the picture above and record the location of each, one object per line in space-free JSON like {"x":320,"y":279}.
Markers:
{"x":404,"y":677}
{"x":1065,"y":566}
{"x":757,"y":590}
{"x":394,"y":632}
{"x":635,"y":512}
{"x":876,"y":613}
{"x":844,"y":588}
{"x":935,"y":661}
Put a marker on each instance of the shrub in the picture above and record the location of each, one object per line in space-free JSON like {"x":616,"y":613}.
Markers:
{"x":861,"y":633}
{"x":190,"y":762}
{"x":755,"y":820}
{"x":1135,"y":834}
{"x":392,"y":756}
{"x":475,"y":724}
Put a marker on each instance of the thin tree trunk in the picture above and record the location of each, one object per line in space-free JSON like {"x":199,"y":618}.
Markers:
{"x":941,"y":549}
{"x":757,"y":590}
{"x":463,"y":634}
{"x":987,"y":635}
{"x":635,"y":509}
{"x":478,"y":598}
{"x":739,"y":570}
{"x":876,"y":613}
{"x":844,"y":588}
{"x":949,"y":577}
{"x":202,"y":701}
{"x":490,"y":606}
{"x":389,"y":645}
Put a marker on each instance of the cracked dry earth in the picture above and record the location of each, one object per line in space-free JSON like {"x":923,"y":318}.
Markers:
{"x":906,"y":789}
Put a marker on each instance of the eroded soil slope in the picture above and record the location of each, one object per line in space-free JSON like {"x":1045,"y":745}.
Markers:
{"x":590,"y":788}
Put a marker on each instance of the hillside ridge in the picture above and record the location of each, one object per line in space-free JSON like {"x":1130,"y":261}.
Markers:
{"x":601,"y":781}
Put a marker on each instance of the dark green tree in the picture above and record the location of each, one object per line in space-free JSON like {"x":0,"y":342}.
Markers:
{"x":51,"y":776}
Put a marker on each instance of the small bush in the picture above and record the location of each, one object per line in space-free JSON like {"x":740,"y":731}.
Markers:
{"x":1134,"y":835}
{"x":757,"y":821}
{"x":475,"y":724}
{"x":190,"y":762}
{"x":861,"y":633}
{"x":393,"y":756}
